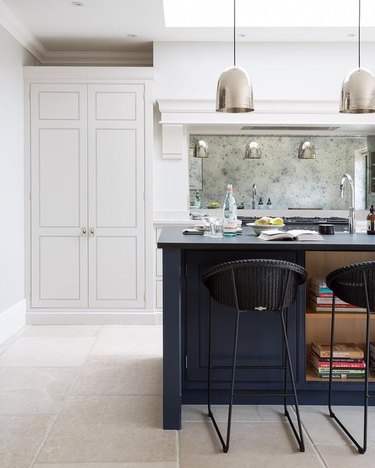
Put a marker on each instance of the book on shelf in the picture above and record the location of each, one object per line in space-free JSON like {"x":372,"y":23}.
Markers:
{"x":316,"y":293}
{"x":293,"y":234}
{"x":340,"y":371}
{"x":318,"y":364}
{"x":338,"y":307}
{"x":326,"y":360}
{"x":342,"y":376}
{"x":340,"y":350}
{"x":319,"y":286}
{"x":327,"y":300}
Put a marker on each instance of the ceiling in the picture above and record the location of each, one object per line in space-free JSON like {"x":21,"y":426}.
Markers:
{"x":110,"y":25}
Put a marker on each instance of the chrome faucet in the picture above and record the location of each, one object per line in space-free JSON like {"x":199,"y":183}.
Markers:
{"x":254,"y":193}
{"x":352,"y":203}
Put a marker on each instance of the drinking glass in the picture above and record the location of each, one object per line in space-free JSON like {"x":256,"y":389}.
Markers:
{"x":215,"y":226}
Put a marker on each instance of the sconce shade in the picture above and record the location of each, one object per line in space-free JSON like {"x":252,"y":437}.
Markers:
{"x":201,"y":149}
{"x":234,"y":91}
{"x":358,"y":92}
{"x":307,"y":150}
{"x":252,"y":151}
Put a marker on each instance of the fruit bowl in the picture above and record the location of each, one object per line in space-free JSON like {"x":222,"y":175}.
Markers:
{"x":213,"y":205}
{"x":258,"y":228}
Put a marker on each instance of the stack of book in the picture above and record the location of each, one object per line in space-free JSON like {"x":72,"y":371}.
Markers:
{"x":320,"y":299}
{"x":348,"y":360}
{"x":372,"y":356}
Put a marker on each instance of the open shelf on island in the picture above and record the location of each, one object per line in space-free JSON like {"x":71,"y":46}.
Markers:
{"x":312,"y":314}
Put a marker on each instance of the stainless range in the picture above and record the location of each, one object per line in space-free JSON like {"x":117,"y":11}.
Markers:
{"x":312,"y":223}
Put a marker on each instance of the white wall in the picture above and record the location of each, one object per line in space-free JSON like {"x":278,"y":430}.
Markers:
{"x":12,"y":296}
{"x":287,"y":71}
{"x":277,"y":70}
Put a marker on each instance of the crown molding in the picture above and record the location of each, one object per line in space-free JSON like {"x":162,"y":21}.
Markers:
{"x":129,"y":59}
{"x":21,"y":33}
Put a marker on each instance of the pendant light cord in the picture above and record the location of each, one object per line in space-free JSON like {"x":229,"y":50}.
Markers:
{"x":234,"y":32}
{"x":359,"y":33}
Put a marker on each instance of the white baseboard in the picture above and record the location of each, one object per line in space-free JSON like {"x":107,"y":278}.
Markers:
{"x":93,"y":318}
{"x":12,"y":320}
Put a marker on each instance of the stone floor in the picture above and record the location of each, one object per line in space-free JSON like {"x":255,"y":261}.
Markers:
{"x":90,"y":397}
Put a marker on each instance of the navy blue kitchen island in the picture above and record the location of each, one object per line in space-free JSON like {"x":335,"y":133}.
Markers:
{"x":185,"y":312}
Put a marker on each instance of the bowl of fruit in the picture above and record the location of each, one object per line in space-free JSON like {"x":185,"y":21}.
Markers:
{"x":266,"y":223}
{"x":213,"y":205}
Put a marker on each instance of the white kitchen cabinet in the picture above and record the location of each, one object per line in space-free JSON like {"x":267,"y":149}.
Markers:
{"x":87,"y":194}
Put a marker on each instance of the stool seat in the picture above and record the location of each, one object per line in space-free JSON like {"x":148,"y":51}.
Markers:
{"x":355,"y":284}
{"x":265,"y":285}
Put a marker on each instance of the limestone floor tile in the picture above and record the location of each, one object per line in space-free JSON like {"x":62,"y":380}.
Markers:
{"x":145,"y":340}
{"x":108,"y":465}
{"x":20,"y":438}
{"x":240,"y":413}
{"x":120,"y":375}
{"x":47,"y":352}
{"x":61,"y":330}
{"x":253,"y":445}
{"x":324,"y":430}
{"x":346,"y":457}
{"x":33,"y":390}
{"x":110,"y":429}
{"x":10,"y":341}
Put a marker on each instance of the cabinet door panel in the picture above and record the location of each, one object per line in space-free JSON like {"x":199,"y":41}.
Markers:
{"x":59,"y":189}
{"x":260,"y":335}
{"x":116,"y":181}
{"x":59,"y":105}
{"x":116,"y":196}
{"x":116,"y":105}
{"x":116,"y":262}
{"x":59,"y":268}
{"x":58,"y":195}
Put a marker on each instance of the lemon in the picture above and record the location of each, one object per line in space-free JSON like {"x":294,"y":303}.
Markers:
{"x":264,"y":221}
{"x":277,"y":221}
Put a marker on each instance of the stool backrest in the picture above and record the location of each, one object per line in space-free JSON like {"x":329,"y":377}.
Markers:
{"x":259,"y":284}
{"x":348,"y":283}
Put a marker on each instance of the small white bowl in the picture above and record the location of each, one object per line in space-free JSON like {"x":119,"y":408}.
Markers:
{"x":258,"y":228}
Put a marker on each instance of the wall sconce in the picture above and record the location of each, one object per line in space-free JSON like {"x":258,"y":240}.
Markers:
{"x":307,"y":150}
{"x":252,"y":151}
{"x":201,"y":149}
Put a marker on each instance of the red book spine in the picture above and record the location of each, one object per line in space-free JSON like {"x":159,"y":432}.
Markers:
{"x":342,"y":364}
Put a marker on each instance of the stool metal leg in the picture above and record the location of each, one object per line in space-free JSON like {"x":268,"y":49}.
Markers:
{"x":225,"y":444}
{"x":361,"y":449}
{"x":299,"y":434}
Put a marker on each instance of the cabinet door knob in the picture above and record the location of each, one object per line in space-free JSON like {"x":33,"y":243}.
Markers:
{"x":83,"y":231}
{"x":92,"y":231}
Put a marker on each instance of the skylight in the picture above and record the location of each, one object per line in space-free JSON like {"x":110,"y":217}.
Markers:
{"x":267,"y":13}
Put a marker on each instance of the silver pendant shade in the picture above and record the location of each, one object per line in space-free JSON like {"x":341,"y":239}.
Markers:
{"x":234,"y":91}
{"x":201,"y":149}
{"x":358,"y":92}
{"x":358,"y":88}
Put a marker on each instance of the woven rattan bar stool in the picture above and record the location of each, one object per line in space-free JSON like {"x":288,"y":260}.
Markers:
{"x":354,"y":284}
{"x":249,"y":286}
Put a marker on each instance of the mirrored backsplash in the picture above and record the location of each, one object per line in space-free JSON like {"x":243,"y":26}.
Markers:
{"x":280,"y":175}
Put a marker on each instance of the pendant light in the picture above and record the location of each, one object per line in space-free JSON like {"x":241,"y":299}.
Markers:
{"x":234,"y":91}
{"x":358,"y":88}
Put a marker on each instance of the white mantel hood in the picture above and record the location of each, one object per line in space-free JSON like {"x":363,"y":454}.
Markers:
{"x":318,"y":115}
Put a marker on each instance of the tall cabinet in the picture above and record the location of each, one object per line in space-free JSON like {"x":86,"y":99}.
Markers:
{"x":90,"y":192}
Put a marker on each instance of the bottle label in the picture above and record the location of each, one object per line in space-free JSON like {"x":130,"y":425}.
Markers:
{"x":229,"y":227}
{"x":370,"y":226}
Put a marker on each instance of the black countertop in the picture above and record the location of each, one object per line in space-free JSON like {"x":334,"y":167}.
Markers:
{"x":172,"y":237}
